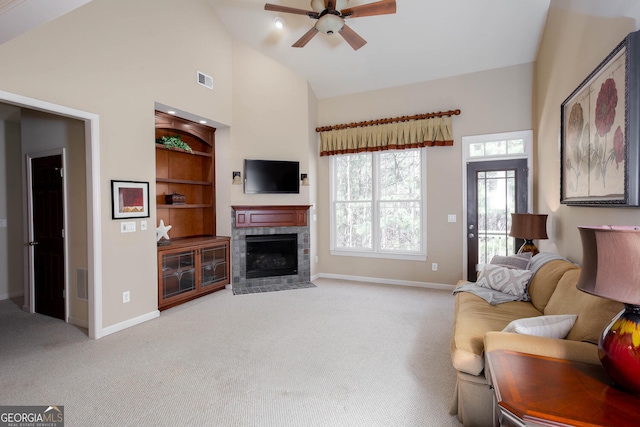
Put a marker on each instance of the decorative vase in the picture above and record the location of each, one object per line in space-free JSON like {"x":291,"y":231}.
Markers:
{"x":619,"y":349}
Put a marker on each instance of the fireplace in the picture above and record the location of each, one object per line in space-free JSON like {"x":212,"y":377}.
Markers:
{"x":271,"y":255}
{"x":265,"y":227}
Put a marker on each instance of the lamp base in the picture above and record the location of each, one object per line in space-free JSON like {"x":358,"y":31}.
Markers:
{"x":528,"y":246}
{"x":619,"y":349}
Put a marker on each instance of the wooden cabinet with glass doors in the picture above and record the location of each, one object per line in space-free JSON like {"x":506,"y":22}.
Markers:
{"x":190,"y":268}
{"x":197,"y":261}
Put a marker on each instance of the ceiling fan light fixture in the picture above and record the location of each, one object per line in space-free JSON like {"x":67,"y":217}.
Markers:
{"x":329,"y":24}
{"x":279,"y":23}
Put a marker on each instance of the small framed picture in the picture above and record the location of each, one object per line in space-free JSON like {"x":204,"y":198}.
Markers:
{"x":129,"y":199}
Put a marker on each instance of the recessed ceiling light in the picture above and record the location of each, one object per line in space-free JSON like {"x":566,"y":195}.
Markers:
{"x":171,"y":112}
{"x":279,"y":23}
{"x":203,"y":122}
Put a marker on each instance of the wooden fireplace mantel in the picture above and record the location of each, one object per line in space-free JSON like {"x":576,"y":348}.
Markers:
{"x":271,"y":216}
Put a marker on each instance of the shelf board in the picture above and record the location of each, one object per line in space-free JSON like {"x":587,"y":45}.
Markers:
{"x":185,"y":206}
{"x":180,"y":150}
{"x":182,"y":181}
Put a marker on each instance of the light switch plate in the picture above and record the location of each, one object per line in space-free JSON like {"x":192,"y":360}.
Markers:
{"x":3,"y":223}
{"x":128,"y":227}
{"x":452,"y":218}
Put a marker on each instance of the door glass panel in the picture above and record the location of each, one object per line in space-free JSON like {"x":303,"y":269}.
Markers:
{"x":496,"y":201}
{"x":213,"y":263}
{"x":178,"y":273}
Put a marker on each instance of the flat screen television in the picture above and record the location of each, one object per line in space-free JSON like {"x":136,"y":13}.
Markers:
{"x":271,"y":176}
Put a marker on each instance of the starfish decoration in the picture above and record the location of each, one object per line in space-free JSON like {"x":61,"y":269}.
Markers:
{"x":163,"y":231}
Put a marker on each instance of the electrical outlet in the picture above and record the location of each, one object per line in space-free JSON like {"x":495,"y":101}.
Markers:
{"x":316,"y":259}
{"x":434,"y":266}
{"x":126,"y":297}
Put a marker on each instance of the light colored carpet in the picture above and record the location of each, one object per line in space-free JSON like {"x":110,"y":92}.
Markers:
{"x":340,"y":354}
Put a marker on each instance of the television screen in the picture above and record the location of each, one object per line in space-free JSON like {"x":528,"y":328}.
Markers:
{"x":271,"y":176}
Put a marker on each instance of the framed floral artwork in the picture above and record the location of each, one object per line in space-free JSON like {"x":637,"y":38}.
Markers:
{"x":129,"y":199}
{"x":599,"y":136}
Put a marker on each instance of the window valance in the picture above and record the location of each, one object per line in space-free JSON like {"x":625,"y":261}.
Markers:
{"x":388,"y":134}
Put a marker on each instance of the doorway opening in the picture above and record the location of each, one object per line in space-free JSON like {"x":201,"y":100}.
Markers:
{"x":93,"y":204}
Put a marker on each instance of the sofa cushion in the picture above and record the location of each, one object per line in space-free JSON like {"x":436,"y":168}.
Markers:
{"x":550,"y":326}
{"x":594,"y":313}
{"x":504,"y":279}
{"x":473,"y":317}
{"x":544,"y":281}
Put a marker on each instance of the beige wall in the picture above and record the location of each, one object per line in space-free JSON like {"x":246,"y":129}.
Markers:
{"x":270,"y":121}
{"x":573,"y":45}
{"x":11,"y":260}
{"x":491,"y":101}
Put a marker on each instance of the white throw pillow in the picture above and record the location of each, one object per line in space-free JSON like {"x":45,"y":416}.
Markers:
{"x":506,"y":280}
{"x":552,"y":326}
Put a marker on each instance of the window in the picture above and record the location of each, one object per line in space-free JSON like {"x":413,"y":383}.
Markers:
{"x":508,"y":147}
{"x":378,"y":202}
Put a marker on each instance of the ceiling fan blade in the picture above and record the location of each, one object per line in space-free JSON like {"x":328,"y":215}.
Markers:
{"x":286,"y":9}
{"x":305,"y":39}
{"x":383,"y":7}
{"x":352,"y":37}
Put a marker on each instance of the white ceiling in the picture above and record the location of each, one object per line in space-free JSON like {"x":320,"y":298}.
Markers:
{"x":424,"y":40}
{"x":19,"y":16}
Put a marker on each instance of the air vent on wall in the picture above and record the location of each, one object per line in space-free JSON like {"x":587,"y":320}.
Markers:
{"x":82,"y":284}
{"x":205,"y":80}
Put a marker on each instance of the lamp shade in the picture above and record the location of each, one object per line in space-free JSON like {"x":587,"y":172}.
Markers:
{"x":528,"y":226}
{"x":611,"y":262}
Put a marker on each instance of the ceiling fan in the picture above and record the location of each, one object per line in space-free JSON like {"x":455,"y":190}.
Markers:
{"x":331,"y":14}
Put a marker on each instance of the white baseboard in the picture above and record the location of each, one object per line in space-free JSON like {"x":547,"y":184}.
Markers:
{"x":10,"y":295}
{"x":82,"y":323}
{"x":128,"y":323}
{"x":385,"y":281}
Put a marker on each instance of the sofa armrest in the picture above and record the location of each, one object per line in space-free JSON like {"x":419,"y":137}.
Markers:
{"x":576,"y":351}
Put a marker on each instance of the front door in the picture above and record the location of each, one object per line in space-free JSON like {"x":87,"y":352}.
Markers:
{"x":48,"y":235}
{"x":495,"y":189}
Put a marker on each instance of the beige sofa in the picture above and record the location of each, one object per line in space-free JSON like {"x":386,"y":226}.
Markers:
{"x":477,"y":329}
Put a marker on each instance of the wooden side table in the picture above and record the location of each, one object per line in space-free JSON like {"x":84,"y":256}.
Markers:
{"x":543,"y":391}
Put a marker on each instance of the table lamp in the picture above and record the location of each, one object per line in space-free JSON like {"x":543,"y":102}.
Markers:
{"x":611,"y":269}
{"x":528,"y":227}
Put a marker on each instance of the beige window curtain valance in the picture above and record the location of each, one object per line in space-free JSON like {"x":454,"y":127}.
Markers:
{"x":388,"y":134}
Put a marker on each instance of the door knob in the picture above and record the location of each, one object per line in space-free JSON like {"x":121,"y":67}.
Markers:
{"x":33,"y":243}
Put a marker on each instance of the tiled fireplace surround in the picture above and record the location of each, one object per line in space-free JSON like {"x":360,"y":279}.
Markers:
{"x":264,"y":220}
